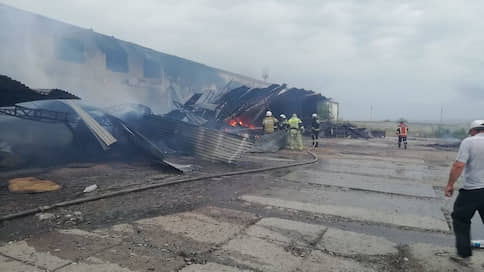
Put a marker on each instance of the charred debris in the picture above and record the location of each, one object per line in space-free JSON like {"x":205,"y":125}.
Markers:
{"x":219,"y":128}
{"x":241,"y":110}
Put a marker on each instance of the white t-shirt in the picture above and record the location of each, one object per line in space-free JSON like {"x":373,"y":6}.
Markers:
{"x":471,"y":152}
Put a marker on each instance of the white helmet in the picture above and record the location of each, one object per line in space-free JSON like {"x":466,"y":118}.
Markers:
{"x":315,"y":115}
{"x":477,"y":124}
{"x":282,"y":116}
{"x":268,"y":113}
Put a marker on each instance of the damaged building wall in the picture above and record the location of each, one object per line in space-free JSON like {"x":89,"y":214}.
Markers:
{"x":104,"y":71}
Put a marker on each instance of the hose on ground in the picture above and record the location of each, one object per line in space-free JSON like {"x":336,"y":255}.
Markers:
{"x":152,"y":186}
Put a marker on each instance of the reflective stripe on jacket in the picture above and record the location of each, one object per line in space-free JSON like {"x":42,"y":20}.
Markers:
{"x":294,"y":123}
{"x":402,"y":130}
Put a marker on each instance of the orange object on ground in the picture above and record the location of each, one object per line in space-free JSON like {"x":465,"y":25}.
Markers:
{"x":31,"y":185}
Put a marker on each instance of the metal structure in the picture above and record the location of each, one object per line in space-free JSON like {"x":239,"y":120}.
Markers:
{"x":105,"y":138}
{"x":208,"y":144}
{"x":149,"y":148}
{"x":39,"y":115}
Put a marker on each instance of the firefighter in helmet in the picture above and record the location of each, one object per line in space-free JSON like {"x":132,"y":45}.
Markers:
{"x":283,"y":124}
{"x":269,"y":123}
{"x":296,"y":129}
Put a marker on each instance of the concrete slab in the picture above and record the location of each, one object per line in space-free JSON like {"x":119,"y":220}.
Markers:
{"x":290,"y":228}
{"x":380,"y":162}
{"x":318,"y":261}
{"x":117,"y":232}
{"x":387,"y":203}
{"x":93,"y":264}
{"x":142,"y":257}
{"x":366,"y":156}
{"x":83,"y":233}
{"x":211,"y":267}
{"x":259,"y":254}
{"x":196,"y":226}
{"x":10,"y":265}
{"x":349,"y":243}
{"x":72,"y":245}
{"x":434,"y":258}
{"x":22,"y":251}
{"x":376,"y":168}
{"x":156,"y":237}
{"x":352,"y":181}
{"x":272,"y":236}
{"x":397,"y":218}
{"x":228,"y":215}
{"x":358,"y":142}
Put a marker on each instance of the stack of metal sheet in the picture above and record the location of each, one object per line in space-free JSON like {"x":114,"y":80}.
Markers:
{"x":102,"y":135}
{"x":206,"y":143}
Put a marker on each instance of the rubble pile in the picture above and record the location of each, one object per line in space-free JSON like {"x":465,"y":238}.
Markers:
{"x":344,"y":130}
{"x":182,"y":137}
{"x":119,"y":133}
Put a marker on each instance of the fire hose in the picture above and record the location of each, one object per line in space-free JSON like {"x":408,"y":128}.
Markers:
{"x":152,"y":186}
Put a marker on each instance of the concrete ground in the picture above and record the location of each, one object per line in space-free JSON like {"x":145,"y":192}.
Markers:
{"x":366,"y":206}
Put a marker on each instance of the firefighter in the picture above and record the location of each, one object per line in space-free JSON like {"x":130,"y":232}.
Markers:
{"x":283,"y":124}
{"x":269,"y":123}
{"x":296,"y":129}
{"x":315,"y":128}
{"x":402,"y":132}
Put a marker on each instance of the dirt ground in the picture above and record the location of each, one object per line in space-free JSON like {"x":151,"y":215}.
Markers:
{"x":365,"y":206}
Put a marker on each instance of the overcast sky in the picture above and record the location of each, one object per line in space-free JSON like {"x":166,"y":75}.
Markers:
{"x":405,"y":58}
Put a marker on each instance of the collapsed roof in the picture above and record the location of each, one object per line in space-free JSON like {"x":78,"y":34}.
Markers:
{"x":246,"y":107}
{"x":13,"y":92}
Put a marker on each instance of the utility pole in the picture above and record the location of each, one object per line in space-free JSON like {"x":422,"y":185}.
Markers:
{"x":371,"y":112}
{"x":441,"y":114}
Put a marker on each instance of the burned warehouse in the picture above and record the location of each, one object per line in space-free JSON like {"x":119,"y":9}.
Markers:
{"x":134,"y":101}
{"x":119,"y":157}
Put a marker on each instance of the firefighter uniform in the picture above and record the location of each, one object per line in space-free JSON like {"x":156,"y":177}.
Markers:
{"x":283,"y":124}
{"x":402,"y":132}
{"x":269,"y":123}
{"x":295,"y":133}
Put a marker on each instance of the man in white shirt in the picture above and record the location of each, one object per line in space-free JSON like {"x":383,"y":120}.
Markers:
{"x":471,"y":196}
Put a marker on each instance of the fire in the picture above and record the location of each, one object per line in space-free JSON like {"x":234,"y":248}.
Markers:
{"x":233,"y":123}
{"x":238,"y":122}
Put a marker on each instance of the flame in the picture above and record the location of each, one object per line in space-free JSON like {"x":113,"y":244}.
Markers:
{"x":239,"y":122}
{"x":233,"y":123}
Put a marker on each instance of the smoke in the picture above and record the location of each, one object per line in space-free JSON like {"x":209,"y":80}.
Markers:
{"x":473,"y":92}
{"x":102,"y":70}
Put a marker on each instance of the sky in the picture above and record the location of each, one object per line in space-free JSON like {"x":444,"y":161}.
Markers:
{"x":401,"y":58}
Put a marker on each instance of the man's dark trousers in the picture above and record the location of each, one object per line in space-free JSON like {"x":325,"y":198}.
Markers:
{"x":466,"y":204}
{"x":315,"y":136}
